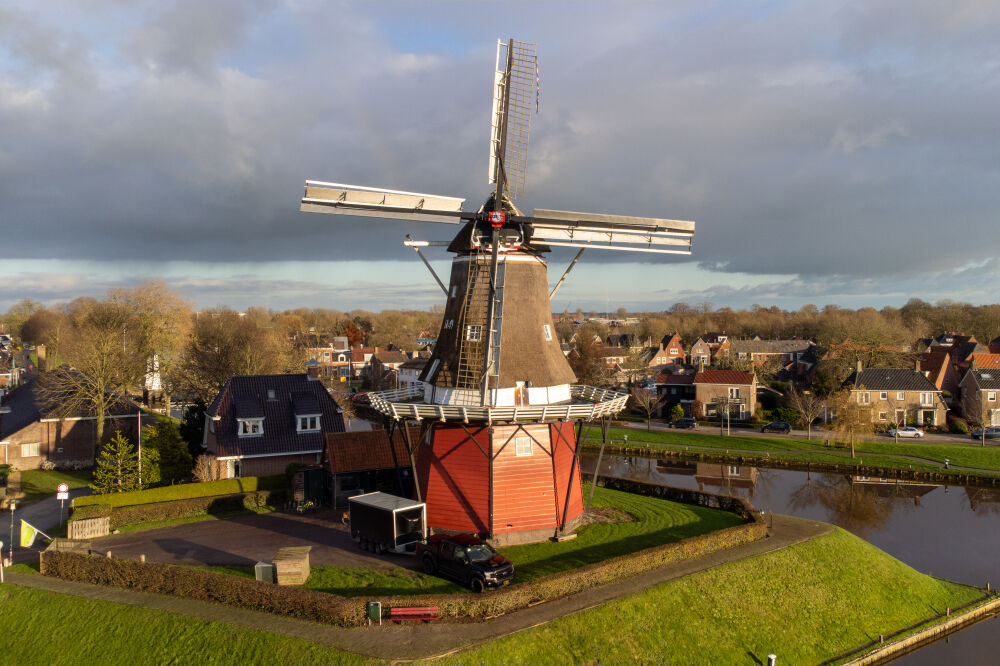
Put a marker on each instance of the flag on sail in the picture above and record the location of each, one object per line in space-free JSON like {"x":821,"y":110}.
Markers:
{"x":29,"y":533}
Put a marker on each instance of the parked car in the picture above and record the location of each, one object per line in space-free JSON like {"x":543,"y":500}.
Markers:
{"x":906,"y":431}
{"x":777,"y":426}
{"x":991,"y":433}
{"x":686,"y":422}
{"x":466,"y":559}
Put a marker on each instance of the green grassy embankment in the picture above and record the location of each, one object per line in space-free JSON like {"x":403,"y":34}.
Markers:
{"x":641,"y":522}
{"x":795,"y":449}
{"x":38,"y":628}
{"x":36,"y":484}
{"x":805,"y":603}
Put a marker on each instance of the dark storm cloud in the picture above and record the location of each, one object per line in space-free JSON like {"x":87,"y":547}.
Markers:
{"x":849,"y":139}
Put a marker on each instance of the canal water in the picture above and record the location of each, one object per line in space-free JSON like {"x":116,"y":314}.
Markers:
{"x":951,"y":532}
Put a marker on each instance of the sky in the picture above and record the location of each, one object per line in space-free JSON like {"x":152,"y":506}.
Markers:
{"x":834,"y":152}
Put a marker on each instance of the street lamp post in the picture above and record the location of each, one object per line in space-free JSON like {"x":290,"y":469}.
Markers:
{"x":11,"y":547}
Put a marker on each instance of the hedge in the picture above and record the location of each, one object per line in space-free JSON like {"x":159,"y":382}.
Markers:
{"x":332,"y":609}
{"x":186,"y":491}
{"x":203,"y":586}
{"x":185,"y":508}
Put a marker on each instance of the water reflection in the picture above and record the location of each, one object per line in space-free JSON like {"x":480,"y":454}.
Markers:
{"x":950,"y":532}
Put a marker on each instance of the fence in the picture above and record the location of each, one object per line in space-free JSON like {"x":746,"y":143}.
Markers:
{"x":89,"y":528}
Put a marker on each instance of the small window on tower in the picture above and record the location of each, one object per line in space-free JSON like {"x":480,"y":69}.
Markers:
{"x":522,"y":446}
{"x":547,"y":331}
{"x":473,"y":333}
{"x":454,"y":289}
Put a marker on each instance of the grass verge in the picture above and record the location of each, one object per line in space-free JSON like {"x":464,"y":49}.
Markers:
{"x":890,"y":454}
{"x":35,"y":626}
{"x":36,"y":484}
{"x":805,"y":603}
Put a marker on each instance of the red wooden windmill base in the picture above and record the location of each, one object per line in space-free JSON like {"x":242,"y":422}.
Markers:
{"x":511,"y":483}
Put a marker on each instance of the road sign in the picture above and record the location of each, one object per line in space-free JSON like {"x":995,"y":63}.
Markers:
{"x":62,"y":488}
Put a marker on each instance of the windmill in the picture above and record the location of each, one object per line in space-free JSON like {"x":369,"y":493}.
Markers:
{"x":497,"y":453}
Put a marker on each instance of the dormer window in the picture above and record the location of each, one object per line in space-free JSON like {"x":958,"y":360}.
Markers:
{"x":271,"y":395}
{"x":250,"y":427}
{"x":308,"y":423}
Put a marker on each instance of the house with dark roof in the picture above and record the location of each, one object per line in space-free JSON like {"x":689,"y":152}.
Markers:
{"x":675,"y":389}
{"x":980,"y":389}
{"x":32,"y":431}
{"x":368,"y":460}
{"x":334,"y":359}
{"x":409,"y":372}
{"x":897,"y":395}
{"x":719,"y":390}
{"x":259,"y":424}
{"x":760,"y":351}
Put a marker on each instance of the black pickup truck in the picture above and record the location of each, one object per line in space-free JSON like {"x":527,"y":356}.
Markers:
{"x":467,"y":559}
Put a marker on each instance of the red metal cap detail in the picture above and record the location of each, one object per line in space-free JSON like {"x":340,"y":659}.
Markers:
{"x":497,"y":218}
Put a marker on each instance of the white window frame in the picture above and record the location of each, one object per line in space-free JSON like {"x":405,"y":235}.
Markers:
{"x":883,"y":395}
{"x":307,"y":423}
{"x":523,"y":446}
{"x":991,"y":396}
{"x":734,"y":470}
{"x":901,"y":416}
{"x":883,"y":416}
{"x":250,"y":427}
{"x":474,"y":332}
{"x":734,"y":392}
{"x":864,"y":397}
{"x":926,"y":399}
{"x":28,"y":447}
{"x":673,"y":351}
{"x":900,"y":395}
{"x":547,"y":332}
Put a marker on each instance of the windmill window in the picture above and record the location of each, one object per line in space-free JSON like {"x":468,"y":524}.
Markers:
{"x":454,"y":289}
{"x":547,"y":331}
{"x":522,"y":446}
{"x":474,"y":333}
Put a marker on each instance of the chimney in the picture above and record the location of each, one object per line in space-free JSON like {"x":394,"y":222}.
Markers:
{"x":312,"y":369}
{"x":859,"y":366}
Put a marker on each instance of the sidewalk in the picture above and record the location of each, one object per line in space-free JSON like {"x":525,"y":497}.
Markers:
{"x":421,"y":641}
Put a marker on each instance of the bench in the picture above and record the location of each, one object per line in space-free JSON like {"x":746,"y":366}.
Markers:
{"x":425,"y":613}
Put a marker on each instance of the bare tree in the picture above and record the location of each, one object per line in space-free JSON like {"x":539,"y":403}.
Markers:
{"x":809,"y":406}
{"x":206,"y":469}
{"x":647,"y":401}
{"x":853,"y":419}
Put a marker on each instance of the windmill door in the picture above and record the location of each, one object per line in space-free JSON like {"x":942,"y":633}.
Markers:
{"x":520,"y":394}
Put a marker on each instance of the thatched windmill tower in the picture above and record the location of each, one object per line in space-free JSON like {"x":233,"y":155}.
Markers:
{"x":498,"y":454}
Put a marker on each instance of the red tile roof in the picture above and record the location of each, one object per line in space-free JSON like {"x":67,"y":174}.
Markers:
{"x":723,"y":377}
{"x":984,"y":361}
{"x":367,"y":450}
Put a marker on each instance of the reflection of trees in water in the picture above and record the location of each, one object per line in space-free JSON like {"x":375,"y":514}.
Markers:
{"x":857,"y":505}
{"x":983,"y":500}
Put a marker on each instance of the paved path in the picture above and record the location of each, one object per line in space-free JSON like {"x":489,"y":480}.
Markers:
{"x":415,"y":640}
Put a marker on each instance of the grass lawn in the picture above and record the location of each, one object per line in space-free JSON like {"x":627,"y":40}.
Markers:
{"x":657,"y":521}
{"x":37,"y":484}
{"x":801,"y":449}
{"x":45,"y":628}
{"x":805,"y":603}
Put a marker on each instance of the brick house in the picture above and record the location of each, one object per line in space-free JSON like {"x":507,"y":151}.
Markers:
{"x":897,"y":395}
{"x":700,"y":352}
{"x":733,"y":387}
{"x":31,"y":432}
{"x":260,"y":424}
{"x":675,"y":390}
{"x":980,"y":392}
{"x":938,"y":367}
{"x":386,"y":362}
{"x":760,"y":351}
{"x":334,"y":360}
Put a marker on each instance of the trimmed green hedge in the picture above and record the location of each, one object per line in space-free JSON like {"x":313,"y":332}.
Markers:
{"x":186,"y":491}
{"x":333,"y":609}
{"x":185,"y":508}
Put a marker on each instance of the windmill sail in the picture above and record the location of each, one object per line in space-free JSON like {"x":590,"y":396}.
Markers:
{"x":510,"y":124}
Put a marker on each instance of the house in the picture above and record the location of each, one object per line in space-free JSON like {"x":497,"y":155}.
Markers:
{"x":625,"y":340}
{"x":409,"y":372}
{"x":383,"y":367}
{"x":980,"y":389}
{"x":360,"y":360}
{"x":759,"y":351}
{"x":937,"y":366}
{"x":366,"y":461}
{"x":334,"y":360}
{"x":671,"y":351}
{"x":716,"y":388}
{"x":32,"y":432}
{"x":259,"y":424}
{"x":700,"y":352}
{"x":675,"y":389}
{"x":995,"y":345}
{"x":898,"y":395}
